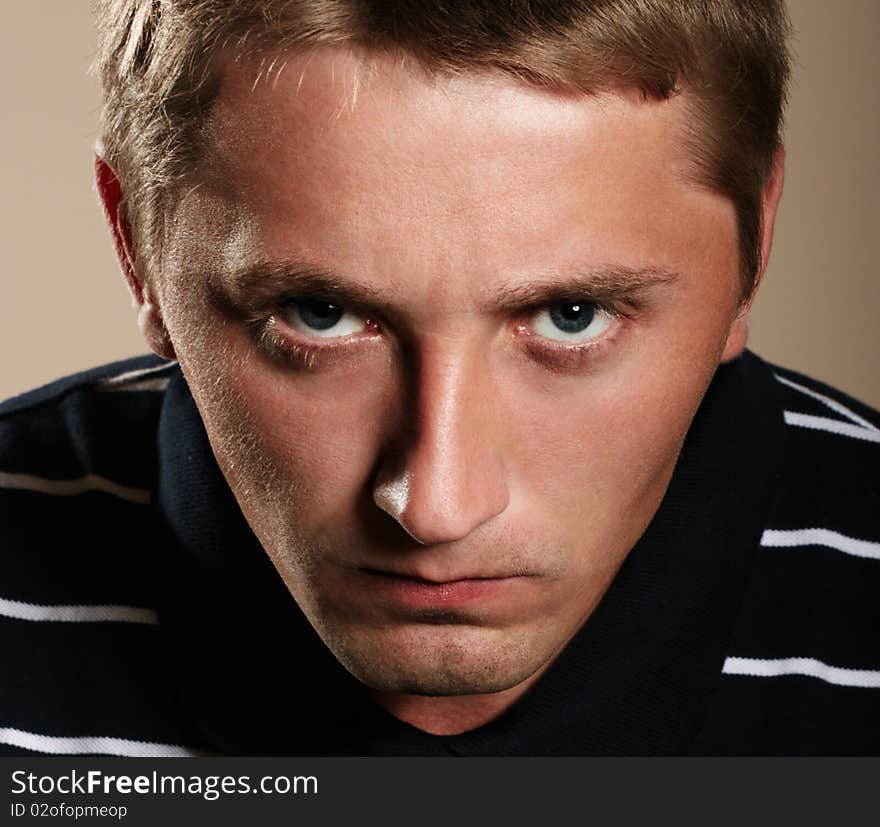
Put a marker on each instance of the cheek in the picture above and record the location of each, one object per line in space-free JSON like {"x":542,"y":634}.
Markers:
{"x":320,"y":436}
{"x":597,"y":451}
{"x":594,"y":458}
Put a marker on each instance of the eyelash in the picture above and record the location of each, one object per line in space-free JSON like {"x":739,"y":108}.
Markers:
{"x":309,"y":355}
{"x":555,"y":355}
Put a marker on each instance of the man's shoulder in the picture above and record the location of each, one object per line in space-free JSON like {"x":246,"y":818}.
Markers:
{"x":823,"y":525}
{"x":815,"y":405}
{"x":135,"y":373}
{"x":831,"y":450}
{"x":93,"y":422}
{"x":803,"y":671}
{"x":824,"y":445}
{"x":79,"y":565}
{"x":78,"y":462}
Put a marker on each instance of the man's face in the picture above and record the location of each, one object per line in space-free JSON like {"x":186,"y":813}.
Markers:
{"x":447,"y":338}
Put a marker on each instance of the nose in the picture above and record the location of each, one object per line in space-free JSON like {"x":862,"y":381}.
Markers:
{"x":445,"y":476}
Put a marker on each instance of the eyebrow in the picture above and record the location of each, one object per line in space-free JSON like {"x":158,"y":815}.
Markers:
{"x":256,"y":289}
{"x":603,"y":284}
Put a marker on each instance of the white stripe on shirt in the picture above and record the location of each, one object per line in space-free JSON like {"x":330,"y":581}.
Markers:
{"x":835,"y":406}
{"x":834,"y":426}
{"x":67,"y":488}
{"x":77,"y":613}
{"x":158,"y":383}
{"x":773,"y":538}
{"x":810,"y":667}
{"x":132,"y":375}
{"x":91,"y":745}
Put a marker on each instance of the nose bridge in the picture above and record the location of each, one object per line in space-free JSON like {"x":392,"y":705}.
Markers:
{"x":445,"y":412}
{"x":447,"y":477}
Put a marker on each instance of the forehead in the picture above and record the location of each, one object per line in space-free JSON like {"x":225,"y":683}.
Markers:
{"x":365,"y":163}
{"x":351,"y":109}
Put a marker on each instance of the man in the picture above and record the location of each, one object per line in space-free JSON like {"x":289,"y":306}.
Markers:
{"x":454,"y":446}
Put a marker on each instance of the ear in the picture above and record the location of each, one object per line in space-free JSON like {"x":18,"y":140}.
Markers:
{"x":739,"y":331}
{"x":150,"y":321}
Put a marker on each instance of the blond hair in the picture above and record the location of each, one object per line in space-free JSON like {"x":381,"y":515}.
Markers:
{"x":156,"y":61}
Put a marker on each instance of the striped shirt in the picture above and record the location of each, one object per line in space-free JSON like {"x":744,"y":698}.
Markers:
{"x":140,"y":616}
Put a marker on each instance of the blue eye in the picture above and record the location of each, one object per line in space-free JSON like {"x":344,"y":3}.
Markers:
{"x":319,"y":315}
{"x":321,"y":319}
{"x":577,"y":321}
{"x":572,"y":318}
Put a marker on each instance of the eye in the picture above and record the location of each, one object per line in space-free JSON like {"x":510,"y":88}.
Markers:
{"x":577,"y":321}
{"x":321,"y":319}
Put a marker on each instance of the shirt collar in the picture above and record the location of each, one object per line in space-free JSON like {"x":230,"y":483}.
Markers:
{"x":637,"y":678}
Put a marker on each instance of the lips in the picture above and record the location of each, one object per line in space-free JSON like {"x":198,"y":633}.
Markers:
{"x":420,"y":592}
{"x":438,"y":580}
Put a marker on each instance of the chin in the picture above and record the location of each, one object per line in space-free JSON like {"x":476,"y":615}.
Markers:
{"x":436,"y":661}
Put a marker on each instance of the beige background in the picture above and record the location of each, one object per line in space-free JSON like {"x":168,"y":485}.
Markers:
{"x":64,"y":306}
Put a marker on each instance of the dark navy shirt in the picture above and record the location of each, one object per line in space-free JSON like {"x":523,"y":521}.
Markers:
{"x":139,"y":615}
